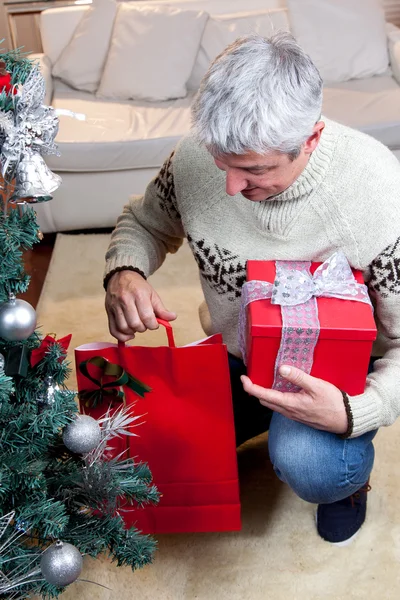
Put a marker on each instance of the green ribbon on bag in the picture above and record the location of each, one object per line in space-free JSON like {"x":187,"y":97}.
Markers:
{"x":93,"y":398}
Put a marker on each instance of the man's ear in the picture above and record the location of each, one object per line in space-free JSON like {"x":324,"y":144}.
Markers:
{"x":312,"y":142}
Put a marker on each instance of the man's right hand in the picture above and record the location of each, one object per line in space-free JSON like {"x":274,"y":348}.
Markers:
{"x":132,"y":305}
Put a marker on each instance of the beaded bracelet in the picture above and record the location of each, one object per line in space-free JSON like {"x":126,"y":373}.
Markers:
{"x":117,"y":270}
{"x":349,"y":414}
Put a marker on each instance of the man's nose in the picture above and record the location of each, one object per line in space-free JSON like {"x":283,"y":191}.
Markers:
{"x":235,"y":182}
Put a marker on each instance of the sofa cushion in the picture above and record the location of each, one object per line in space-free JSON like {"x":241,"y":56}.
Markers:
{"x":345,"y":38}
{"x":152,"y":52}
{"x":222,"y":30}
{"x":101,"y":135}
{"x":57,"y":27}
{"x":81,"y":63}
{"x":370,"y":105}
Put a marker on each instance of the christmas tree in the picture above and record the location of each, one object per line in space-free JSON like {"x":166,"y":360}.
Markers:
{"x":61,"y":493}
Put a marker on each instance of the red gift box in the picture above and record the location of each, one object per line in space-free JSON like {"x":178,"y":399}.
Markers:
{"x":343,"y":349}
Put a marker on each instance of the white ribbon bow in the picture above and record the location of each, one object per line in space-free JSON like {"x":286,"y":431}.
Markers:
{"x":333,"y":279}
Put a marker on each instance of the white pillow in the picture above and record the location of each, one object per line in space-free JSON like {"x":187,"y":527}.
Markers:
{"x":222,"y":30}
{"x":81,"y":63}
{"x":346,"y":39}
{"x":152,"y":52}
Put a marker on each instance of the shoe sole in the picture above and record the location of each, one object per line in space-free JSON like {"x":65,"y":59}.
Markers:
{"x":346,"y":542}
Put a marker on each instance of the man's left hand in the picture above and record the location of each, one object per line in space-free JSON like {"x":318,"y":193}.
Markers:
{"x":319,"y":404}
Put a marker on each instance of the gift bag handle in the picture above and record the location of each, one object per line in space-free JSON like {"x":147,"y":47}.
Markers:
{"x":169,"y":330}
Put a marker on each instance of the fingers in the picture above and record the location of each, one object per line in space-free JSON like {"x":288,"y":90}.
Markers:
{"x":160,"y":310}
{"x":126,"y":314}
{"x":141,"y":313}
{"x":149,"y":308}
{"x":115,"y":331}
{"x":133,"y":306}
{"x":311,"y":385}
{"x":300,"y":378}
{"x":318,"y":404}
{"x":272,"y":397}
{"x":123,"y":317}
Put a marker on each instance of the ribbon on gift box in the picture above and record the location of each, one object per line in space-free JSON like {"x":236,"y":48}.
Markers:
{"x":93,"y":397}
{"x":295,"y":289}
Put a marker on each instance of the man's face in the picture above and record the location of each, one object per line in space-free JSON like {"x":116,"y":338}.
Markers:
{"x":259,"y":176}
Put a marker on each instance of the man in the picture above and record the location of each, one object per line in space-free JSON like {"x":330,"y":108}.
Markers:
{"x":264,"y":177}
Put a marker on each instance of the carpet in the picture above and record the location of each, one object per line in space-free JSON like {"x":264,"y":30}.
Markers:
{"x":278,"y":554}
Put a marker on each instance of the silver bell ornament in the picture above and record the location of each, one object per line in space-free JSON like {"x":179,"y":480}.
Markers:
{"x":61,"y":564}
{"x":82,"y":435}
{"x":34,"y":180}
{"x":17,"y":319}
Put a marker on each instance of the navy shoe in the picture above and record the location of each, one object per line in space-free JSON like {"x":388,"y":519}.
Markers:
{"x":340,"y":521}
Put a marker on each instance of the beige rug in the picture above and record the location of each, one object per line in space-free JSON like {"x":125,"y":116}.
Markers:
{"x":278,"y":554}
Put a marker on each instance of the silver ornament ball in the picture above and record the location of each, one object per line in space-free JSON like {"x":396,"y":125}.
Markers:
{"x":61,"y":564}
{"x":82,"y":435}
{"x":2,"y":364}
{"x":17,"y":320}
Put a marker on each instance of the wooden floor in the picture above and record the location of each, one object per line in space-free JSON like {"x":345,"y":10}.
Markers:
{"x":37,"y":262}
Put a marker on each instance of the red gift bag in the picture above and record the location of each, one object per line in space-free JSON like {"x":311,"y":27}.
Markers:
{"x":186,"y":431}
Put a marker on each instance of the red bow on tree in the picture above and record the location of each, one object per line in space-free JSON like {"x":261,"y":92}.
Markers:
{"x":39,"y":353}
{"x":5,"y":80}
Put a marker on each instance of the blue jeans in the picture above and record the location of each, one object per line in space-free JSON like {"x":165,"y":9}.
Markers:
{"x":319,"y":466}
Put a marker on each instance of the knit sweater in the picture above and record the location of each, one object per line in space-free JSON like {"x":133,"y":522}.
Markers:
{"x":346,"y":198}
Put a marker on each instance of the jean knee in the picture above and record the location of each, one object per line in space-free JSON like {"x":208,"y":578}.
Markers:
{"x":315,"y":463}
{"x":303,"y":472}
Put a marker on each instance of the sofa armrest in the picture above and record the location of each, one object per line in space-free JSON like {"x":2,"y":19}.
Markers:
{"x":393,"y":39}
{"x":45,"y":67}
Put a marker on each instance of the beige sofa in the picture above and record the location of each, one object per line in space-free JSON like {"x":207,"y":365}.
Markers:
{"x":110,"y":149}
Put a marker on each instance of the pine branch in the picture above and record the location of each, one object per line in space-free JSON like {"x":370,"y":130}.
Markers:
{"x":19,"y":67}
{"x":16,"y":235}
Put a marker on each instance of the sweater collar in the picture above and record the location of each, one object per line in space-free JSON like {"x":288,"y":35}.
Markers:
{"x":315,"y":169}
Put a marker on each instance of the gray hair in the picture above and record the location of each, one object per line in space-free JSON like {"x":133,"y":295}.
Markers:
{"x":259,"y":95}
